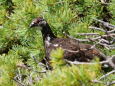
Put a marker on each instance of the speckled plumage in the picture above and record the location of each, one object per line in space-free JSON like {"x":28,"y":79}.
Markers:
{"x":83,"y":52}
{"x":73,"y":50}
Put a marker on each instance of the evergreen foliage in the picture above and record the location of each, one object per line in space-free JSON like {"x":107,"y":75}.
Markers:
{"x":19,"y":44}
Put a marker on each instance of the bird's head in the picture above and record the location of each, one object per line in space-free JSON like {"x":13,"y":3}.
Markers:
{"x":38,"y":22}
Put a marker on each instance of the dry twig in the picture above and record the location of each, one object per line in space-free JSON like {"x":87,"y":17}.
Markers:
{"x":106,"y":24}
{"x":110,"y":83}
{"x":107,"y":61}
{"x":97,"y":28}
{"x":104,"y":76}
{"x":88,"y":34}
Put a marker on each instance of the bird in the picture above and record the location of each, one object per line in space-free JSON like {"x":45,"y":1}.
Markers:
{"x":73,"y":50}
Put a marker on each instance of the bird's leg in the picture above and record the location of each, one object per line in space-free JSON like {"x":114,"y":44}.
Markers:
{"x":47,"y":63}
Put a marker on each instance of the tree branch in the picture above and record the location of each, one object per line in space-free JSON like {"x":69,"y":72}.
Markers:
{"x":105,"y":23}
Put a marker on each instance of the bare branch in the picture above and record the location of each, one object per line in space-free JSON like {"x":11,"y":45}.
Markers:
{"x":85,"y":63}
{"x":105,"y":23}
{"x":97,"y":81}
{"x":90,"y":34}
{"x":111,"y":31}
{"x":39,"y":63}
{"x":107,"y":61}
{"x":100,"y":40}
{"x":111,"y":83}
{"x":21,"y":84}
{"x":91,"y":39}
{"x":96,"y":28}
{"x":18,"y":79}
{"x":102,"y":77}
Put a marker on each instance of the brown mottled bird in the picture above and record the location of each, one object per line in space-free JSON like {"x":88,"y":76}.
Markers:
{"x":73,"y":50}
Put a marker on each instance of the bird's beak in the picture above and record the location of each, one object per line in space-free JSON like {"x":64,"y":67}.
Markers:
{"x":31,"y":25}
